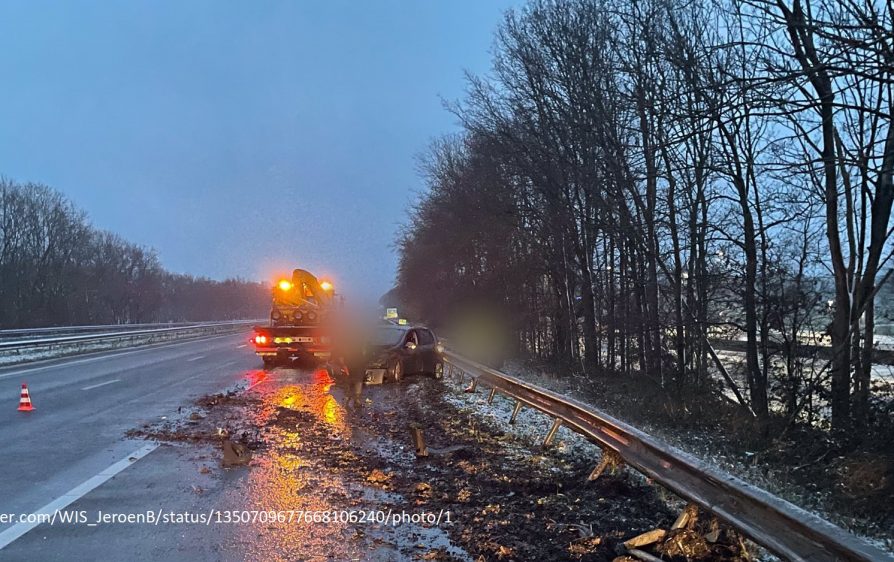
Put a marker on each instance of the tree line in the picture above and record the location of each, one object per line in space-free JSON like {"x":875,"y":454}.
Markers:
{"x":57,"y":269}
{"x":638,"y":179}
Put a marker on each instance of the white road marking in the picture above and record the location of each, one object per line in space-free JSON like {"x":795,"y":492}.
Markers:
{"x":104,"y":355}
{"x":91,"y":387}
{"x":76,"y":493}
{"x":196,"y":358}
{"x":241,"y":346}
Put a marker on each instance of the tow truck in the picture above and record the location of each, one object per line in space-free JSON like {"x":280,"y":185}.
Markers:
{"x":300,"y":319}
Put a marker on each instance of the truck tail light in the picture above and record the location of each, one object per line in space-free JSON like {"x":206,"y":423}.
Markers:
{"x":260,"y":339}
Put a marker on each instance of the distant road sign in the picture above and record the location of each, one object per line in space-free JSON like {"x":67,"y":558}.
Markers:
{"x":402,"y":321}
{"x":390,"y":313}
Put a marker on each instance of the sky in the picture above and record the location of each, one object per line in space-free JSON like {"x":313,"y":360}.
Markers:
{"x":239,"y":138}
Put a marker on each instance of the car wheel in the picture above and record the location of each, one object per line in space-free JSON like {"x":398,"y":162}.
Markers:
{"x":439,"y":370}
{"x":397,"y":371}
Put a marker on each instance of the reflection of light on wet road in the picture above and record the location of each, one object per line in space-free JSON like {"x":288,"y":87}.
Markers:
{"x":321,"y":376}
{"x":332,"y":412}
{"x":321,"y":403}
{"x":254,"y":378}
{"x":300,"y":418}
{"x":313,"y":399}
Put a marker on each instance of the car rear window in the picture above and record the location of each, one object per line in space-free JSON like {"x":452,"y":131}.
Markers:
{"x":425,"y":337}
{"x":386,"y":336}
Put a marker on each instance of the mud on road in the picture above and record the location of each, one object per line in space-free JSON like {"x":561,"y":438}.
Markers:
{"x":322,"y":443}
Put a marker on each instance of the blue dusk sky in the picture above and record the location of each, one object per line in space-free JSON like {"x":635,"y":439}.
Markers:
{"x":239,"y":138}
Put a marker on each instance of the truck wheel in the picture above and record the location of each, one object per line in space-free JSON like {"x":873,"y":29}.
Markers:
{"x":269,"y":362}
{"x":396,"y":371}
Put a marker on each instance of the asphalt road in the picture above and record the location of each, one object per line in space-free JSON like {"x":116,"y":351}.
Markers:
{"x":71,"y":454}
{"x":84,"y":405}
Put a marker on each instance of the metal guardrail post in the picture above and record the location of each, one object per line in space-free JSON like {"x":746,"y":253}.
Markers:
{"x":610,"y":459}
{"x":515,"y":411}
{"x":548,"y":440}
{"x":419,"y":441}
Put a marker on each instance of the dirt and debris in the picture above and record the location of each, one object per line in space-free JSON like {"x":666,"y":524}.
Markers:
{"x":209,"y":425}
{"x":213,"y":400}
{"x":506,"y":499}
{"x":235,"y":454}
{"x":509,"y":501}
{"x":379,"y":478}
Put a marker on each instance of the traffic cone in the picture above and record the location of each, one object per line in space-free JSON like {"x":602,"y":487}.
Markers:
{"x":25,"y":400}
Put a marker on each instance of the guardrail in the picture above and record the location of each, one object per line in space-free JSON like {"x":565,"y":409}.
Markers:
{"x":781,"y":527}
{"x":881,"y":353}
{"x":23,"y":333}
{"x":123,"y":332}
{"x":30,"y":349}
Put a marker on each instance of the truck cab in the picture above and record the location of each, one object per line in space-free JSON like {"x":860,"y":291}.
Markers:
{"x":301,"y":315}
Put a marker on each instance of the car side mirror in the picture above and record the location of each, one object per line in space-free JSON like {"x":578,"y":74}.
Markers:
{"x":410,"y":346}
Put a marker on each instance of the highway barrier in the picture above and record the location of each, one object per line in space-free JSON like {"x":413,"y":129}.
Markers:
{"x":779,"y":526}
{"x":18,"y":346}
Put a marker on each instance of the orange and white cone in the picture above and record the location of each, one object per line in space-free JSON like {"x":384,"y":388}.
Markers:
{"x":25,"y":400}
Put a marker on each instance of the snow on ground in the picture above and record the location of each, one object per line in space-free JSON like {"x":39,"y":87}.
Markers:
{"x":533,"y":426}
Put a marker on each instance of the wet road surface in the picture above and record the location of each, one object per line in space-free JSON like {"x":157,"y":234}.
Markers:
{"x":333,"y":473}
{"x":83,"y":406}
{"x":296,"y":481}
